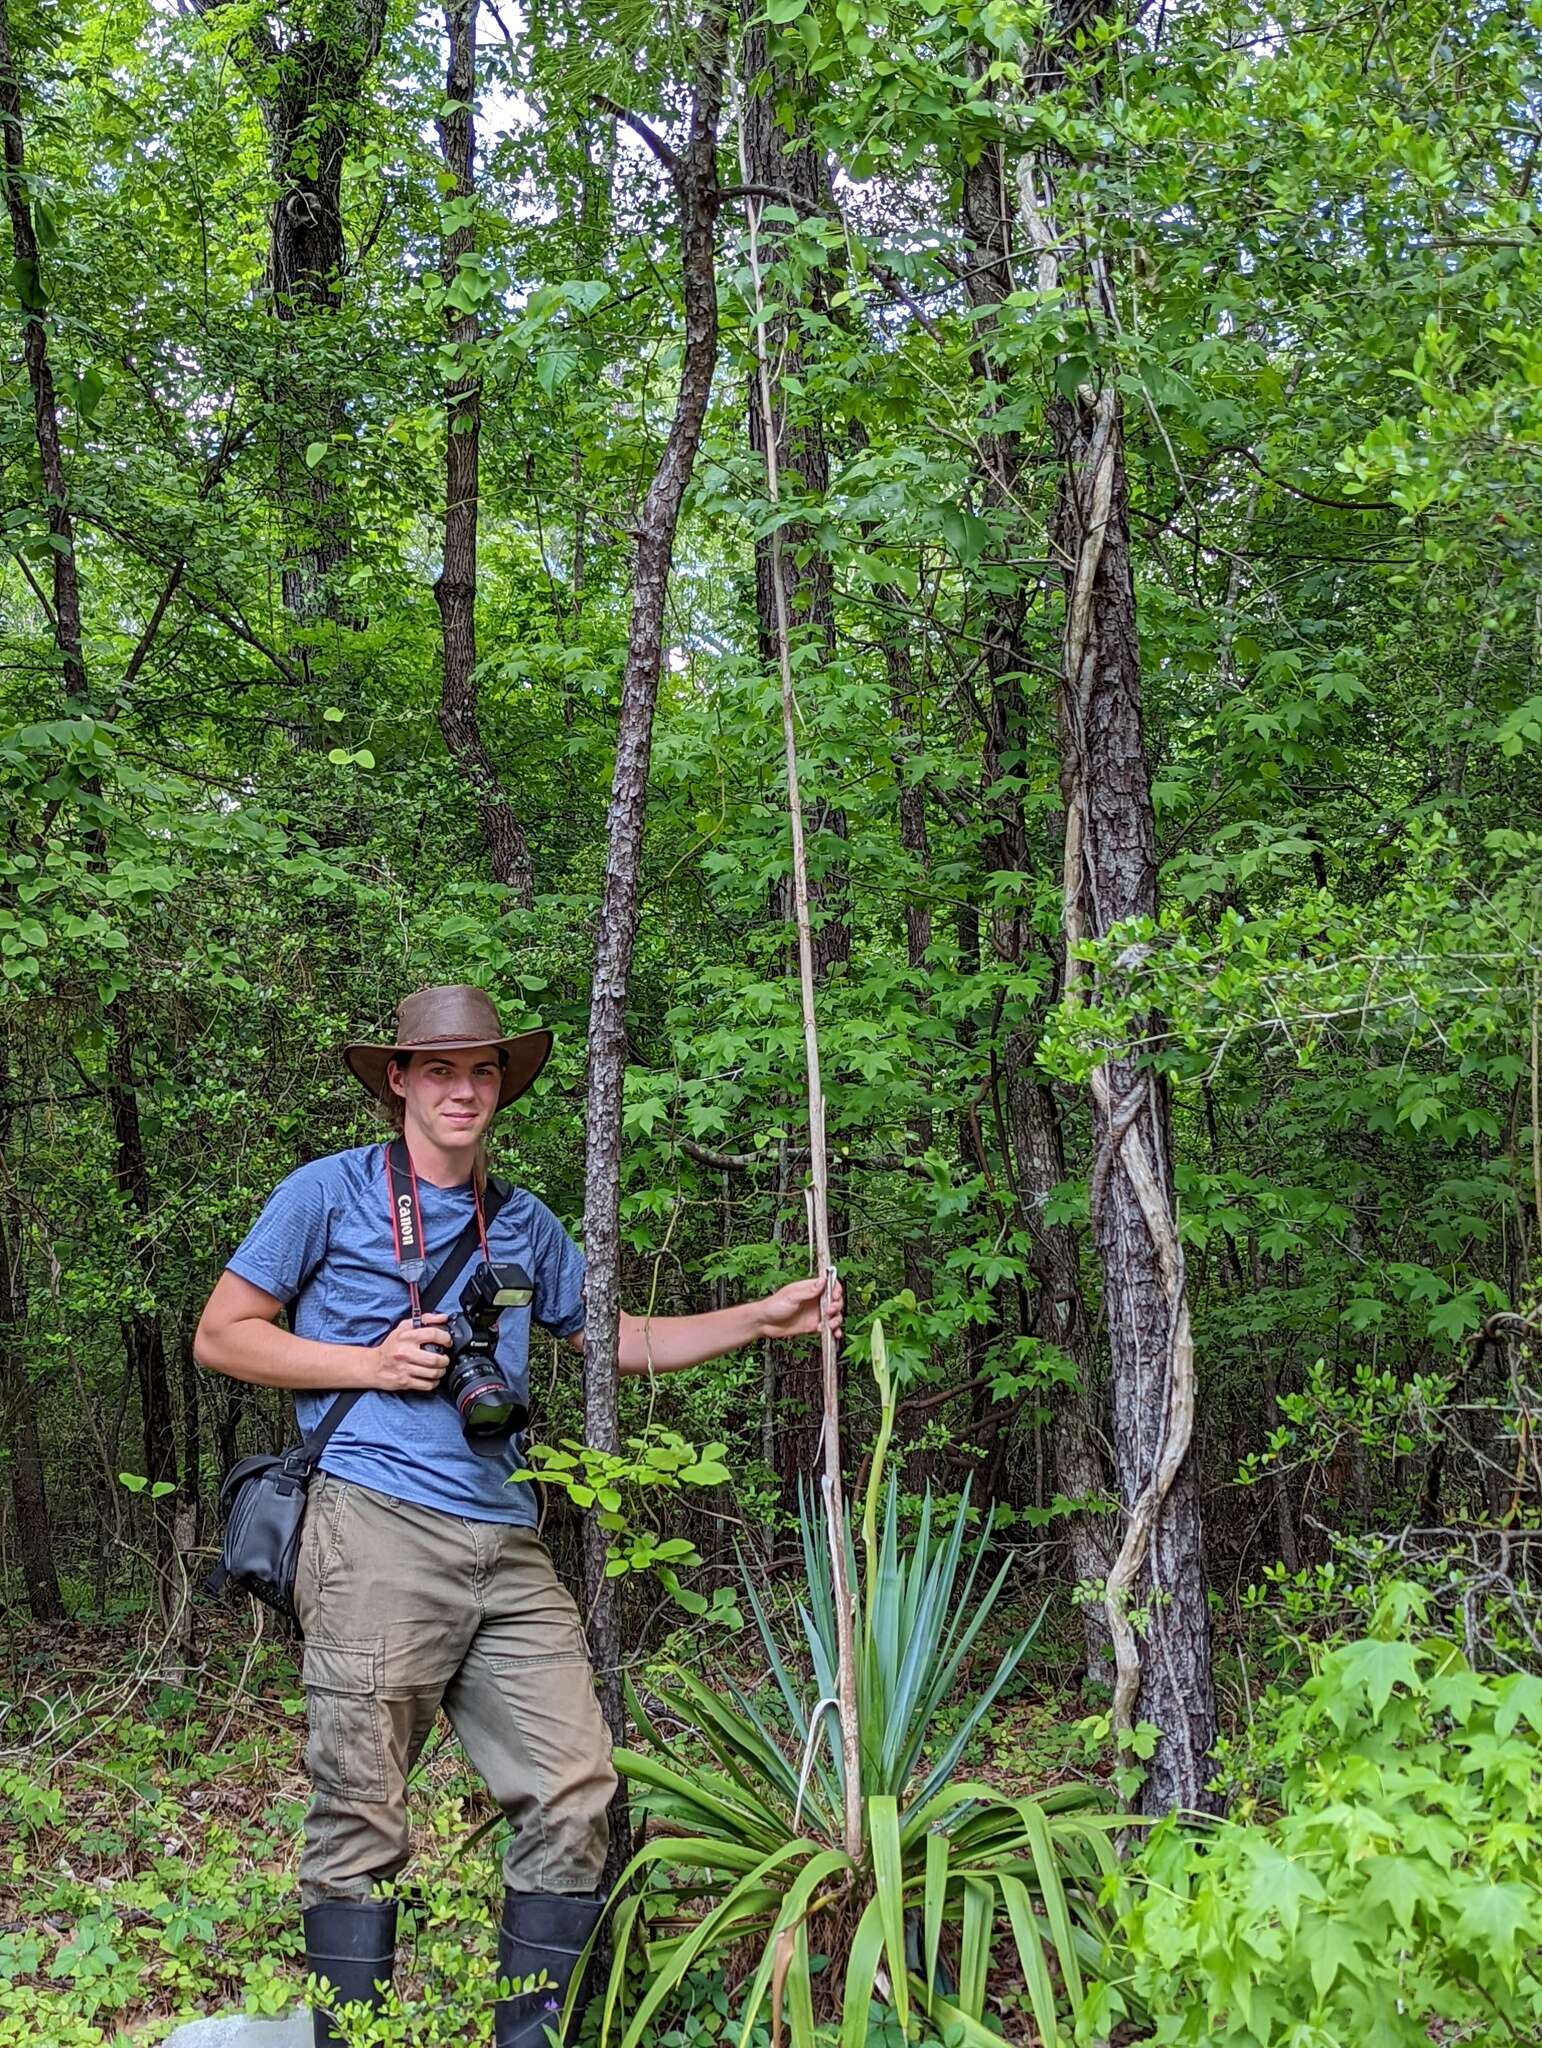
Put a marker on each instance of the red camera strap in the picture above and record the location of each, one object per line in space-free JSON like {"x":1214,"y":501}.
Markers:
{"x":406,"y":1212}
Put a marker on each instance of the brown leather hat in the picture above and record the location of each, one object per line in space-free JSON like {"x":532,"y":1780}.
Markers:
{"x":449,"y":1020}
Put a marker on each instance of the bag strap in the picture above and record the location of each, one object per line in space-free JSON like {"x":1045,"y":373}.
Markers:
{"x":430,"y":1295}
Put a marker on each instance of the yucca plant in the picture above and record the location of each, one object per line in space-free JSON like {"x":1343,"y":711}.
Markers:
{"x":746,"y":1859}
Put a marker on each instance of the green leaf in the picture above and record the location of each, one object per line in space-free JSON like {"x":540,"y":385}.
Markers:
{"x":889,"y":1892}
{"x":314,"y":451}
{"x":1374,"y":1667}
{"x":1496,"y":1918}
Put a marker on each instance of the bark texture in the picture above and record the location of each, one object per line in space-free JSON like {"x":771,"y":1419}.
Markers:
{"x":144,"y":1341}
{"x":18,"y":1402}
{"x":508,"y":850}
{"x":28,"y":279}
{"x":1033,"y":1139}
{"x":1110,"y":877}
{"x":308,"y":84}
{"x":694,"y":174}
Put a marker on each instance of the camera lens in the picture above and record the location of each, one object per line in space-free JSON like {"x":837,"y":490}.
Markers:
{"x":487,"y":1407}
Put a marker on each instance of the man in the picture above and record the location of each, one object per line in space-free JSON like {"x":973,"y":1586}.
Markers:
{"x":421,"y":1580}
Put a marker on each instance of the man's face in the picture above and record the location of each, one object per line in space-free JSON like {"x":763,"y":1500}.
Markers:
{"x":450,"y":1097}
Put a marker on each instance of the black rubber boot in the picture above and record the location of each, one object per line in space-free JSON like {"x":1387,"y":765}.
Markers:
{"x":352,"y":1944}
{"x":540,"y":1931}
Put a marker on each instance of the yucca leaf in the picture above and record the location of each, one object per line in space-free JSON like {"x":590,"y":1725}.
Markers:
{"x":791,"y":1694}
{"x":1030,"y":1955}
{"x":974,"y":1953}
{"x":946,"y":2015}
{"x":934,"y":1901}
{"x":792,"y":1909}
{"x":1052,"y":1892}
{"x":932,"y":1811}
{"x":640,"y":1715}
{"x":698,"y":1852}
{"x":800,"y":1992}
{"x":943,"y":1768}
{"x":1076,"y":1792}
{"x":814,"y":1535}
{"x":965,"y":1624}
{"x":820,"y":1772}
{"x":620,"y":1936}
{"x":745,"y":1779}
{"x":867,"y":1945}
{"x":689,"y":1793}
{"x":748,"y":1897}
{"x":889,"y":1890}
{"x":746,"y":1752}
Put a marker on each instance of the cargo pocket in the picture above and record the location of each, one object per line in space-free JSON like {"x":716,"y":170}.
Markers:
{"x":346,"y":1751}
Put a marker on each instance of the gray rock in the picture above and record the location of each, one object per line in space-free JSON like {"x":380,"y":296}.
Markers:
{"x":234,"y":2030}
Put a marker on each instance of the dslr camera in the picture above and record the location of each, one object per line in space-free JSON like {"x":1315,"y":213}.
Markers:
{"x":485,"y":1402}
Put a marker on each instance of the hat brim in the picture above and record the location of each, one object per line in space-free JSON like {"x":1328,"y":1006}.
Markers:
{"x":527,"y":1054}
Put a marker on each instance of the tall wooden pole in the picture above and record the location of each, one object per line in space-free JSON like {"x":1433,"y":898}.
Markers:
{"x":831,"y":1485}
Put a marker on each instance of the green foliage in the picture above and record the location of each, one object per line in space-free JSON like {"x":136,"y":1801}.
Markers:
{"x":749,"y":1831}
{"x":1396,"y":1889}
{"x":1321,"y":235}
{"x":621,"y":1489}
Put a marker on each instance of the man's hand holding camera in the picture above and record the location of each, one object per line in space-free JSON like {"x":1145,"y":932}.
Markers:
{"x":411,"y":1360}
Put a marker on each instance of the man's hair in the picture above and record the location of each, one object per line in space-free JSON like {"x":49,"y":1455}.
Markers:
{"x":395,"y":1108}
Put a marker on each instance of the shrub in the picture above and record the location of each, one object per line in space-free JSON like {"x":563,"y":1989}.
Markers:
{"x":1395,"y":1898}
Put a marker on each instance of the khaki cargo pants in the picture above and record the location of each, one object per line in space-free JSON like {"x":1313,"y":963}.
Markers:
{"x":406,"y":1610}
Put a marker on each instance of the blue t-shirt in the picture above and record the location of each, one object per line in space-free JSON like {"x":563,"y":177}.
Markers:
{"x":324,"y":1246}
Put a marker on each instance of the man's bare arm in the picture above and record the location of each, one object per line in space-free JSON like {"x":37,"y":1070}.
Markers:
{"x":669,"y":1343}
{"x":238,"y":1335}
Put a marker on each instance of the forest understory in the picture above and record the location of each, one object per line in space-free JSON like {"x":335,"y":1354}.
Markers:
{"x":949,"y":596}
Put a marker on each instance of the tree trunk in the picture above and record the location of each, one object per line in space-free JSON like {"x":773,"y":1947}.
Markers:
{"x":308,"y":88}
{"x":18,"y":1406}
{"x":1033,"y":1136}
{"x":189,"y":1385}
{"x":28,"y":283}
{"x":1110,"y":876}
{"x":455,"y":591}
{"x":913,"y":838}
{"x":694,"y":174}
{"x":144,"y":1340}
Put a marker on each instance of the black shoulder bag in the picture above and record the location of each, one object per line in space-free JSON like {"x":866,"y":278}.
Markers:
{"x":262,"y":1502}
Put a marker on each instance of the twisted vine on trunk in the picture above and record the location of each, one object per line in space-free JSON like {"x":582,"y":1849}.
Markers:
{"x":1111,"y":877}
